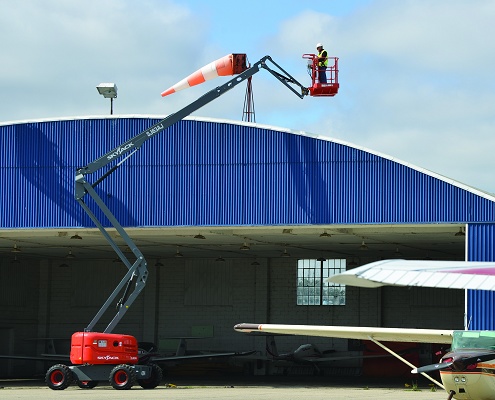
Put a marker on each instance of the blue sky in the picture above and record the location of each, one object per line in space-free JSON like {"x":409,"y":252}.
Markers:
{"x":417,"y":80}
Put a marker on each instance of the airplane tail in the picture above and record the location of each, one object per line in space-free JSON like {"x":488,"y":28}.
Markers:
{"x":181,"y":347}
{"x":230,"y":64}
{"x":271,"y":346}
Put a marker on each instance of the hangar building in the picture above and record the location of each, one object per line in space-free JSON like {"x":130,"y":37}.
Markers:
{"x":238,"y":222}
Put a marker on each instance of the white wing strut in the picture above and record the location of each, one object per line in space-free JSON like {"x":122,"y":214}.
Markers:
{"x":405,"y":361}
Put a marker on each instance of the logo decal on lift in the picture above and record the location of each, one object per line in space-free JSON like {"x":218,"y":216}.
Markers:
{"x":154,"y":130}
{"x":107,"y":358}
{"x":120,"y":150}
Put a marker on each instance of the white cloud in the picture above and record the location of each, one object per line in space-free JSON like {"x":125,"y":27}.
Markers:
{"x":436,"y":35}
{"x":417,"y":78}
{"x":300,"y":34}
{"x":416,"y":81}
{"x":416,"y":75}
{"x":59,"y":51}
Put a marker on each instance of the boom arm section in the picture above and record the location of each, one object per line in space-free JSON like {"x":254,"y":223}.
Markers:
{"x":137,"y":271}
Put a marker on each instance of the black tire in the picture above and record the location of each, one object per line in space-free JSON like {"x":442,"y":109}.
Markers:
{"x":87,"y":384}
{"x":122,"y":377}
{"x":154,"y":380}
{"x":58,"y":377}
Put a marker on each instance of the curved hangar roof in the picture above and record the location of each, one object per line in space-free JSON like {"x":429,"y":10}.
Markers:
{"x":214,"y":173}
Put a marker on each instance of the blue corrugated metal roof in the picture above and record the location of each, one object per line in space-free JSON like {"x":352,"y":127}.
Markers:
{"x":481,"y":303}
{"x":207,"y":172}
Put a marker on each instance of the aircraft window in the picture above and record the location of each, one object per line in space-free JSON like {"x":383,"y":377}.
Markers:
{"x":473,"y":340}
{"x":312,"y":289}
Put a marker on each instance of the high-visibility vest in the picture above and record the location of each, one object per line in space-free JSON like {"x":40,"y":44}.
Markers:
{"x":325,"y":62}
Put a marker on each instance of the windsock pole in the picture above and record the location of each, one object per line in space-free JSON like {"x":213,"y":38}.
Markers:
{"x":231,"y":64}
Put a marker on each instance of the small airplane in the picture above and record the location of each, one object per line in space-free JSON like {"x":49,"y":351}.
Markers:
{"x":149,"y":352}
{"x":467,"y":371}
{"x":306,"y":354}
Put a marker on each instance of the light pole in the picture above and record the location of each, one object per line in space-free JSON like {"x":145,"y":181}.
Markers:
{"x":109,"y":91}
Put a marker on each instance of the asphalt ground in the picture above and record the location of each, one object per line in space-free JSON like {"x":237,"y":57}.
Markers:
{"x":285,"y":388}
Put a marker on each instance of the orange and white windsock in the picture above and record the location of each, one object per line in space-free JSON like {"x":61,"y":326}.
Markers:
{"x":231,"y":64}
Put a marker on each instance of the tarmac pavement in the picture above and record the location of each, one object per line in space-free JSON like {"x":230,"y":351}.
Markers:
{"x":249,"y":389}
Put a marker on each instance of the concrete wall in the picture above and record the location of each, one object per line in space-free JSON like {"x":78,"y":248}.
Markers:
{"x":19,"y":295}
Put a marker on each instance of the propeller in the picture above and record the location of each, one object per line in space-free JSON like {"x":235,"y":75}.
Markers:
{"x":459,"y":365}
{"x":432,"y":367}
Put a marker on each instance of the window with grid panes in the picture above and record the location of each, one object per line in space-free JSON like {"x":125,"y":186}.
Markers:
{"x":312,"y":289}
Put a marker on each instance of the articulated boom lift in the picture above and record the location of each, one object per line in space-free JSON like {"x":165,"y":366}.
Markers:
{"x":98,"y":356}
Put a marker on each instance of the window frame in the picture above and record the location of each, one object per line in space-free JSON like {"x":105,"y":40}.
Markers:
{"x":311,"y":288}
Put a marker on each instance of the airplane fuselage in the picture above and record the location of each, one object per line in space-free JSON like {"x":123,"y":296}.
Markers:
{"x":474,"y":381}
{"x":469,"y":385}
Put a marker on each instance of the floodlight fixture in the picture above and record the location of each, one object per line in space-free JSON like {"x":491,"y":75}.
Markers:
{"x":108,"y":91}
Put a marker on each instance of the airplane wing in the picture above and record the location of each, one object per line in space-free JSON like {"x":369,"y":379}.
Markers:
{"x":344,"y":357}
{"x":200,"y":356}
{"x":43,"y":357}
{"x":154,"y":358}
{"x":352,"y":332}
{"x":436,"y":274}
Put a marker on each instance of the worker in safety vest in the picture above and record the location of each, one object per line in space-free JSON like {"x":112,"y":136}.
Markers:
{"x":322,"y":63}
